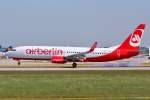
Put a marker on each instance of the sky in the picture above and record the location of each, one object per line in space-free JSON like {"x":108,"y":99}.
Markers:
{"x":71,"y":22}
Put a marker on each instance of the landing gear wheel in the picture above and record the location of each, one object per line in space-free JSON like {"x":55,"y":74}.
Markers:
{"x":74,"y":65}
{"x":19,"y":63}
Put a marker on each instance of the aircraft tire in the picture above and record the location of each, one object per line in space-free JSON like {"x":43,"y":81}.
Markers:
{"x":19,"y":63}
{"x":74,"y":65}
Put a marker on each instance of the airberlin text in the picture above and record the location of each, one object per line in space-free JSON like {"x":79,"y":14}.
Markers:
{"x":38,"y":51}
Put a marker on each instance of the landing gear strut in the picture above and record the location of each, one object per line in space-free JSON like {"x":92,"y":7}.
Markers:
{"x":74,"y":65}
{"x":19,"y":63}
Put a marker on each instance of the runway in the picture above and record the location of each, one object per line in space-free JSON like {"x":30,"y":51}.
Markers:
{"x":75,"y":69}
{"x":134,"y":64}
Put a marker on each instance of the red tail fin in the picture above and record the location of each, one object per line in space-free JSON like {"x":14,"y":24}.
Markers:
{"x":134,"y":39}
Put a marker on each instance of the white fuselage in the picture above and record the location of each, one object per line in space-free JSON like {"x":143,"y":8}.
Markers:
{"x":46,"y":52}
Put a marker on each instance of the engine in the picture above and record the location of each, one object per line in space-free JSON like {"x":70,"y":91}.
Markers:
{"x":58,"y":59}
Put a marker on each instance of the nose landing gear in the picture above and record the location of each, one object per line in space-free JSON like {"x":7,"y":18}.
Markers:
{"x":19,"y":63}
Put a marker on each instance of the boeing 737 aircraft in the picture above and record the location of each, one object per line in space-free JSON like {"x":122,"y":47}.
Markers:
{"x":129,"y":48}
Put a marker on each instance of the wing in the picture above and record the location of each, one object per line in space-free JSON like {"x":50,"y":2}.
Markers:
{"x":81,"y":56}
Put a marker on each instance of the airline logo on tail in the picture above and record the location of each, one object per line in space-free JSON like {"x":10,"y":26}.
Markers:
{"x":135,"y":39}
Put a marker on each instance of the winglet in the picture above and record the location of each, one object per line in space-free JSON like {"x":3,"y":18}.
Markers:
{"x":93,"y":47}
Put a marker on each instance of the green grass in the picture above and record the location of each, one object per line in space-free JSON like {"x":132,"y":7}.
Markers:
{"x":105,"y":85}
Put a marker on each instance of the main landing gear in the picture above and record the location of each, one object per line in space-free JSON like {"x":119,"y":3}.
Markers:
{"x":74,"y":65}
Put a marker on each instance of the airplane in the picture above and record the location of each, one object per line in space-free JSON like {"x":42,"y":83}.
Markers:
{"x":58,"y":54}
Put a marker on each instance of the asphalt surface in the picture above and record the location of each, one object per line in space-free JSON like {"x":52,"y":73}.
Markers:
{"x":75,"y":69}
{"x":133,"y":64}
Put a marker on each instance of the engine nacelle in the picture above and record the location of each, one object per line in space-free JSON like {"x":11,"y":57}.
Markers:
{"x":58,"y":59}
